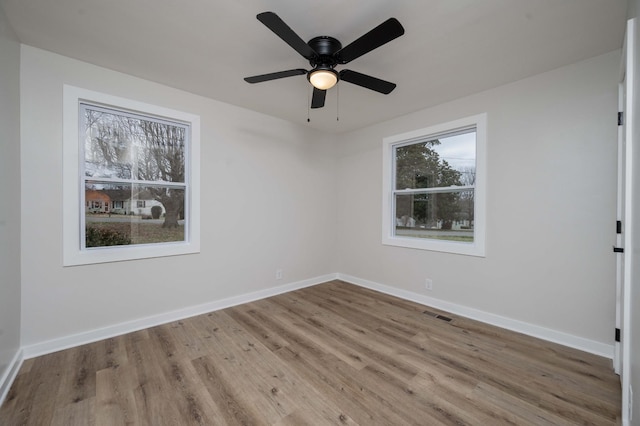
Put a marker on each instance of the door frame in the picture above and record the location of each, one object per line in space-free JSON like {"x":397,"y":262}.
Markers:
{"x":627,"y":81}
{"x":620,"y":203}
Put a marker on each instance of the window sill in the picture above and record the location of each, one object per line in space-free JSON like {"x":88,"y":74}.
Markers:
{"x":453,"y":247}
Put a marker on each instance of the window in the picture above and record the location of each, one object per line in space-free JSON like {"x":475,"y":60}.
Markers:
{"x":133,"y":167}
{"x":434,"y":188}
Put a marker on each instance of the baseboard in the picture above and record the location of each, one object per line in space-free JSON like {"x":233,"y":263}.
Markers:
{"x":550,"y":335}
{"x":66,"y":342}
{"x":555,"y":336}
{"x":10,"y":374}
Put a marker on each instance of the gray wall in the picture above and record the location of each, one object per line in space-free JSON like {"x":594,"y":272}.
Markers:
{"x":551,"y":179}
{"x":267,"y":203}
{"x":9,"y":197}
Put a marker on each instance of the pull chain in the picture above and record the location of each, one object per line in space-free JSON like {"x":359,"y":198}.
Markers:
{"x":308,"y":107}
{"x":338,"y":102}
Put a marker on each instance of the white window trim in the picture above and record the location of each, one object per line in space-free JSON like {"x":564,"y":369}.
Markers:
{"x":72,"y":195}
{"x":477,"y":247}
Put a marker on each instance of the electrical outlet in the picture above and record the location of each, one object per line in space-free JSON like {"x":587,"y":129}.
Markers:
{"x":278,"y":274}
{"x":428,"y":284}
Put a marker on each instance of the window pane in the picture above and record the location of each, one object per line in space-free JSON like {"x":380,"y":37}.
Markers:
{"x":444,"y":161}
{"x":442,"y":216}
{"x":126,"y":146}
{"x":124,"y":214}
{"x":160,"y":151}
{"x":107,"y":145}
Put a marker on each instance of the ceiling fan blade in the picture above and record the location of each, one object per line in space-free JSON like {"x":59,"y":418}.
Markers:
{"x":282,"y":30}
{"x":367,"y":81}
{"x":317,"y":101}
{"x":383,"y":33}
{"x":274,"y":75}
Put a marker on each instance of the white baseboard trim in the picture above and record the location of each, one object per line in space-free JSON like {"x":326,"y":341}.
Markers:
{"x":66,"y":342}
{"x":543,"y":333}
{"x":10,"y":374}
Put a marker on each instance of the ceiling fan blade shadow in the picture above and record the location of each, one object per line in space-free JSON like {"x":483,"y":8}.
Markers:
{"x":366,"y":81}
{"x":317,"y":101}
{"x":274,"y":75}
{"x":282,"y":30}
{"x":382,"y":34}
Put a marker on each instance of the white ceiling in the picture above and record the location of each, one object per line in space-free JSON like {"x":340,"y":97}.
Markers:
{"x":450,"y":49}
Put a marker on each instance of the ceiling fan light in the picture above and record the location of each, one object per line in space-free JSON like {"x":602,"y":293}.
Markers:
{"x":323,"y":79}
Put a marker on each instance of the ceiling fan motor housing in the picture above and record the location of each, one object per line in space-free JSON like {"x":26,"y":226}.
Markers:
{"x":325,"y":47}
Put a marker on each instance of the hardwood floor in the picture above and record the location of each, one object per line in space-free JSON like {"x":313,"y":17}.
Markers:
{"x":330,"y":354}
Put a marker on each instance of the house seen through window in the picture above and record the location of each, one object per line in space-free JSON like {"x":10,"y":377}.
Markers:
{"x":134,"y":179}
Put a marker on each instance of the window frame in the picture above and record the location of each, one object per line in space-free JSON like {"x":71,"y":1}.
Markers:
{"x":389,"y":144}
{"x":74,"y":252}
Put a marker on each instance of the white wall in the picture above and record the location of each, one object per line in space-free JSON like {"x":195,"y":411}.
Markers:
{"x":9,"y":199}
{"x":267,"y":202}
{"x":550,"y":204}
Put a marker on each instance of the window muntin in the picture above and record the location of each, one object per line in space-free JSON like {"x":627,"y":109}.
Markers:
{"x":150,"y":189}
{"x":434,"y":187}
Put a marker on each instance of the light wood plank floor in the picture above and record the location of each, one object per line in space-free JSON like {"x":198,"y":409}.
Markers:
{"x":330,"y":354}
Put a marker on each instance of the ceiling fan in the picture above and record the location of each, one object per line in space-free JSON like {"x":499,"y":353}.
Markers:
{"x":324,"y":53}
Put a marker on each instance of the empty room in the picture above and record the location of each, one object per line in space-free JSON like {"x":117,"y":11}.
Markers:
{"x":309,"y":213}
